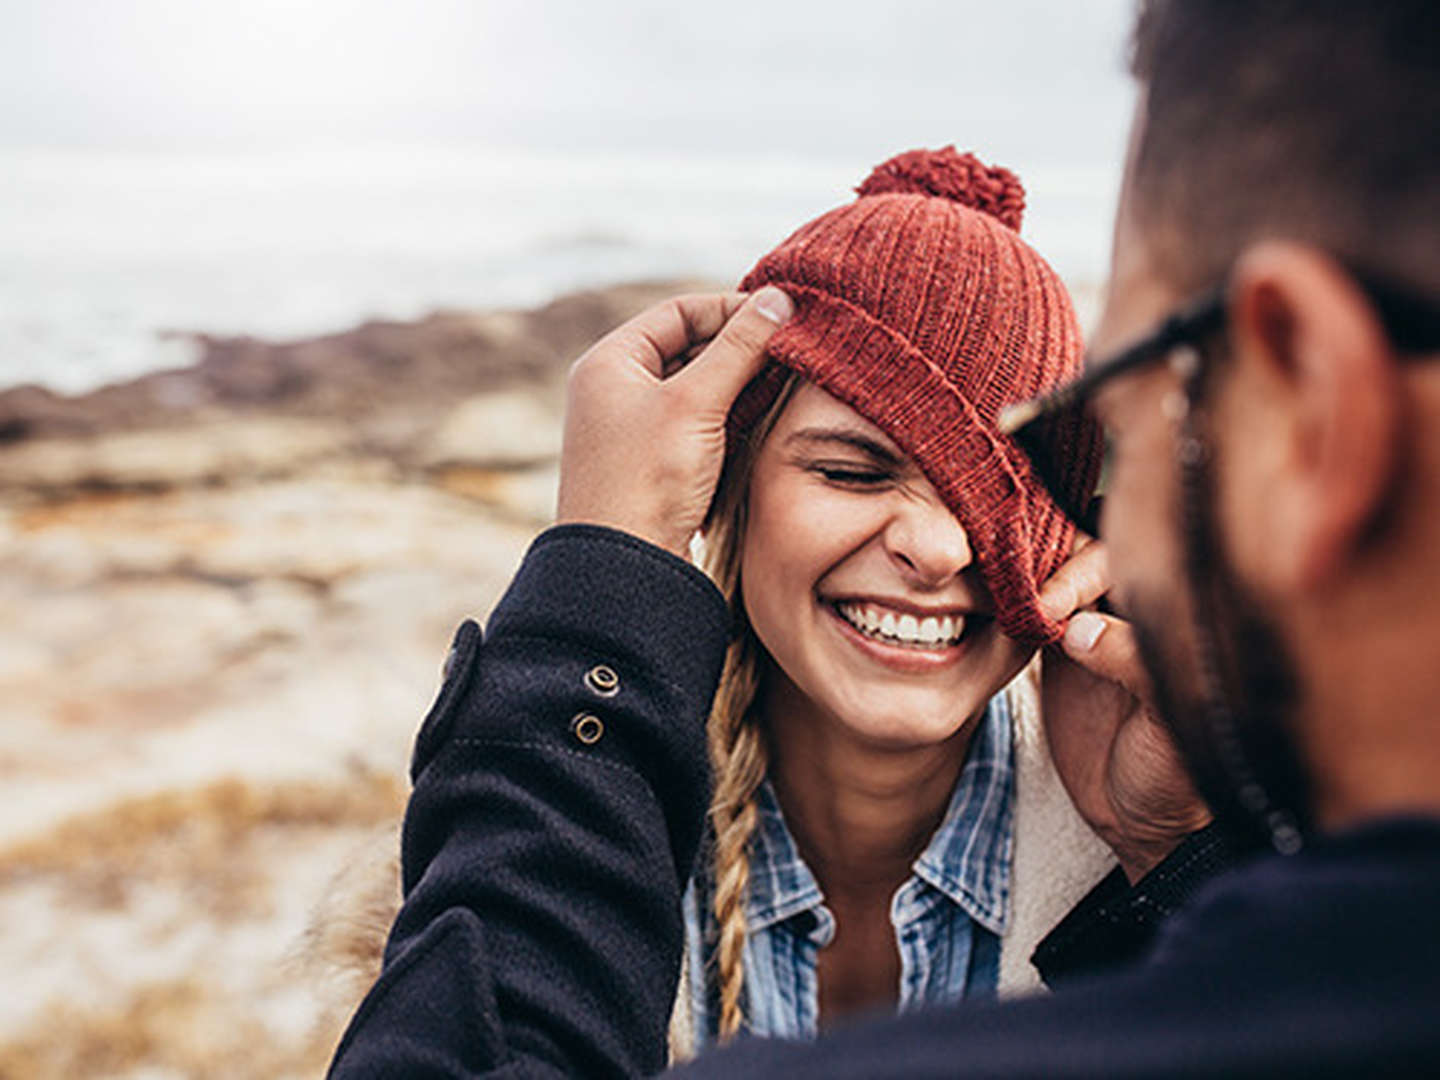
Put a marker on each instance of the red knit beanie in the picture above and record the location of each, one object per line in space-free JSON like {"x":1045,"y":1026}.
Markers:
{"x":919,"y":306}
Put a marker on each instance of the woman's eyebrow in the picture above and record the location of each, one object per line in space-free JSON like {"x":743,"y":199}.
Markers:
{"x":846,"y":437}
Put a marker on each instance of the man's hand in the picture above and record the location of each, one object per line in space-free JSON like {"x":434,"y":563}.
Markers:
{"x":1110,"y":749}
{"x":643,"y":448}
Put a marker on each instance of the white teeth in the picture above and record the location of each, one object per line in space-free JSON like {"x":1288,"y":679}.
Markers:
{"x":904,"y":629}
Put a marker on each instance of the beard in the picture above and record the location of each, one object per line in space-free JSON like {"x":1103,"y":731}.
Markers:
{"x":1226,"y":689}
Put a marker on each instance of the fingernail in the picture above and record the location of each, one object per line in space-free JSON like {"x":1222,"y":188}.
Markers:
{"x":1083,"y":632}
{"x":774,"y":305}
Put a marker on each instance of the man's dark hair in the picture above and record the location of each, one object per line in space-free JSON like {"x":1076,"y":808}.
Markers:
{"x":1313,"y":120}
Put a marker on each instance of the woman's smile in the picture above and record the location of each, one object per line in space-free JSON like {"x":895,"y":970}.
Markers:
{"x":902,"y":638}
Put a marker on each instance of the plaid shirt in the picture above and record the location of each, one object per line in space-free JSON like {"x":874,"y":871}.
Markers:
{"x":948,"y":915}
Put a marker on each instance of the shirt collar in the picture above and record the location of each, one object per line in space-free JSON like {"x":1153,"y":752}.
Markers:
{"x":781,"y":885}
{"x":967,"y":858}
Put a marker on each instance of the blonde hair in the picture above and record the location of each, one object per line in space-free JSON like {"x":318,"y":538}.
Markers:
{"x":739,"y":756}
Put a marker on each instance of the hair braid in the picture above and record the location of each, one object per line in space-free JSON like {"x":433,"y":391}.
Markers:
{"x":739,"y":756}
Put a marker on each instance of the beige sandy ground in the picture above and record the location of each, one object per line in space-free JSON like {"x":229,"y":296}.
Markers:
{"x":219,"y":632}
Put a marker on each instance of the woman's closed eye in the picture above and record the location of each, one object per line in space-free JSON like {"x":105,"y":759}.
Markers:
{"x":851,"y":474}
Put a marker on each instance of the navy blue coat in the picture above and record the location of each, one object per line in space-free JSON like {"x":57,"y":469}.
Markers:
{"x":555,"y":819}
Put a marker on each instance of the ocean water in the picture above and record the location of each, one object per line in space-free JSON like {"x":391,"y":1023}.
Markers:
{"x":109,"y":258}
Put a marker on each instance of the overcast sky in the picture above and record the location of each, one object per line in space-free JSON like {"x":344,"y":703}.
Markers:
{"x":810,"y":77}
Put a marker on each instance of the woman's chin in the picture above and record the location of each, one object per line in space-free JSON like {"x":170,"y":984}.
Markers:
{"x":882,"y":719}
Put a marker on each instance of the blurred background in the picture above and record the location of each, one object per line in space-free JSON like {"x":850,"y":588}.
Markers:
{"x":287,"y":295}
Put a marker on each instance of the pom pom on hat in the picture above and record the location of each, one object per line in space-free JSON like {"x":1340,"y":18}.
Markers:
{"x":948,"y":174}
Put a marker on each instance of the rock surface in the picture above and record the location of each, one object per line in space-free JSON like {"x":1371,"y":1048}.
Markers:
{"x":499,"y":431}
{"x":228,"y":590}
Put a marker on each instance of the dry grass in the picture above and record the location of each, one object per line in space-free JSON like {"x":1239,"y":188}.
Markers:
{"x":483,"y":485}
{"x":197,"y":839}
{"x":220,"y":845}
{"x":174,"y":1027}
{"x":103,"y":513}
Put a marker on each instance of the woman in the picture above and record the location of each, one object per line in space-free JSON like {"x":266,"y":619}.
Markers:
{"x":887,"y":830}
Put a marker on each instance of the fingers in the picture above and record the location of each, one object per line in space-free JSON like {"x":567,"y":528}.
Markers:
{"x":642,"y":452}
{"x":1081,"y":581}
{"x":660,"y":336}
{"x":736,"y":355}
{"x":1105,"y":646}
{"x":660,"y":333}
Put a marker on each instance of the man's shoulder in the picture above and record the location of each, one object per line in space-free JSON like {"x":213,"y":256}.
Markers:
{"x":1393,"y":863}
{"x":1360,"y":889}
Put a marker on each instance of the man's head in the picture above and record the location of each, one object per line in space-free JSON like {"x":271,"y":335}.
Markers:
{"x":1271,"y":519}
{"x":1302,"y":119}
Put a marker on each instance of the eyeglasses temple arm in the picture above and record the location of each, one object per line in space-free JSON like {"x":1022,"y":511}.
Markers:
{"x":1194,"y":322}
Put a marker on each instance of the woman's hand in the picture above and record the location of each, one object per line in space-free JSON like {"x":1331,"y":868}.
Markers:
{"x":1110,"y":748}
{"x":643,"y":447}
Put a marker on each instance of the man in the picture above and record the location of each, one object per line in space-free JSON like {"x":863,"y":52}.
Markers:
{"x":1272,"y":515}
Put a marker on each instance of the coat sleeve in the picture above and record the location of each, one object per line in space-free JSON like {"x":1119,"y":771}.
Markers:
{"x":560,"y":786}
{"x":1115,"y":924}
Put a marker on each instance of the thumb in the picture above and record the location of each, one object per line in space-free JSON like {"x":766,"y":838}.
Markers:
{"x":738,"y":352}
{"x":1105,"y":646}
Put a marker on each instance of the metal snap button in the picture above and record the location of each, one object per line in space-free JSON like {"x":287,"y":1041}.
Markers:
{"x":602,"y":680}
{"x":587,"y":727}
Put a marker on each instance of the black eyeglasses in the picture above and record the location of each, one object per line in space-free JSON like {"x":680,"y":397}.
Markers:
{"x":1070,"y":450}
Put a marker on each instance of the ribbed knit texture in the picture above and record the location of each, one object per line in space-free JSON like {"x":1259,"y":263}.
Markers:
{"x":919,"y":306}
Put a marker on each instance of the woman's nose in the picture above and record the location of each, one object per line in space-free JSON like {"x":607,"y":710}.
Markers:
{"x":929,"y":544}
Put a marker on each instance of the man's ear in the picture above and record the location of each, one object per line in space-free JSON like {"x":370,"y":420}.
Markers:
{"x":1325,"y":415}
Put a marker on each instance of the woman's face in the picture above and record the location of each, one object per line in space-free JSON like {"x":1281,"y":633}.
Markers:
{"x":862,"y":586}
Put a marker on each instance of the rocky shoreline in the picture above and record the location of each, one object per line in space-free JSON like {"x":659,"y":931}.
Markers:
{"x":227,"y":589}
{"x":381,"y":390}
